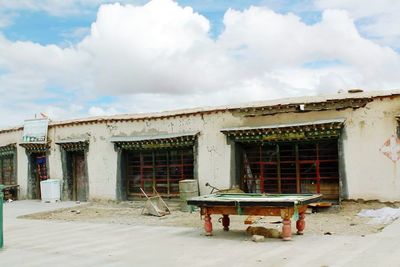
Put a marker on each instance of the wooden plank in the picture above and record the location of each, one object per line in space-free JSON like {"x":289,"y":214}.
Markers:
{"x":254,"y":211}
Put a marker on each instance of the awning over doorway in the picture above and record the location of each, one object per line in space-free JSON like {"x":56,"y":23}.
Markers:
{"x":161,"y":141}
{"x":286,"y":132}
{"x":73,"y":144}
{"x":36,"y":147}
{"x":7,"y":150}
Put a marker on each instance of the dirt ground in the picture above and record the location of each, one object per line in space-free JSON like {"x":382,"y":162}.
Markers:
{"x":337,"y":220}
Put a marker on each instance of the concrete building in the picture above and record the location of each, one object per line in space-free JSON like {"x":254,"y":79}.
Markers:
{"x":345,"y":146}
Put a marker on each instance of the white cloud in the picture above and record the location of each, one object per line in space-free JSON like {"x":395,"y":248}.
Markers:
{"x":378,"y":19}
{"x":99,"y":111}
{"x":269,"y":40}
{"x":160,"y":47}
{"x":56,"y":66}
{"x":281,"y":44}
{"x":76,"y":34}
{"x":6,"y":19}
{"x":160,"y":56}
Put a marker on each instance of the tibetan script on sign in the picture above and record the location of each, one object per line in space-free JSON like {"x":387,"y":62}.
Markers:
{"x":35,"y":131}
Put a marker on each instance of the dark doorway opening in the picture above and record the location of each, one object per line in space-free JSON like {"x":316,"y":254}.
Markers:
{"x":38,"y":173}
{"x":76,"y":180}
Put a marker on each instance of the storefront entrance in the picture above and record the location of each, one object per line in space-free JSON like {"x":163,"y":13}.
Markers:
{"x":154,"y":162}
{"x":161,"y":169}
{"x":75,"y":181}
{"x":289,"y":158}
{"x":75,"y":184}
{"x":291,"y":167}
{"x":38,"y":173}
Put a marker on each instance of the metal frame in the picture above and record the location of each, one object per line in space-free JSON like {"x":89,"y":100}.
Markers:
{"x":161,"y":169}
{"x":292,"y":167}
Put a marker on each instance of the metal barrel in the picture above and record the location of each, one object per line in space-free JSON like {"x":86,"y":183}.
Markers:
{"x":1,"y":216}
{"x":187,"y":189}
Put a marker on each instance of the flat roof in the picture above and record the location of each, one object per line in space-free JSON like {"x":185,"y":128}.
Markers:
{"x":239,"y":106}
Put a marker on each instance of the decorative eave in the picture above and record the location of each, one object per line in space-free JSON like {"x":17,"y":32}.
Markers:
{"x":286,"y":132}
{"x":7,"y":150}
{"x":74,"y":144}
{"x":36,"y":147}
{"x":163,"y":141}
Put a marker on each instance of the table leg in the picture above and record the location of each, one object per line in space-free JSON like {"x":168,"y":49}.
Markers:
{"x":207,"y":224}
{"x":286,"y":229}
{"x":225,"y":222}
{"x":301,"y":223}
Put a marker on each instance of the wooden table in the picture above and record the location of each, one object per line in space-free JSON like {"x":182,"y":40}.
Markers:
{"x":286,"y":206}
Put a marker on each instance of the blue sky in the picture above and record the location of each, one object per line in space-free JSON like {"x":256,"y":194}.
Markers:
{"x":86,"y":58}
{"x":46,"y":28}
{"x":43,"y":28}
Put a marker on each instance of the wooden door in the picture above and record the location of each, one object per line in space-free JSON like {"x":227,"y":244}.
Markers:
{"x":79,"y":177}
{"x":38,"y":173}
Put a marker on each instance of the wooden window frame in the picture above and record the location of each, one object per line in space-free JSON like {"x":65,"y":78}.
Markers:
{"x":299,"y":172}
{"x":12,"y":179}
{"x":148,"y":171}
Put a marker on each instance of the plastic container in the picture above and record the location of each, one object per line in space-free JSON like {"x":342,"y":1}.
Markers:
{"x":187,"y":189}
{"x":50,"y":190}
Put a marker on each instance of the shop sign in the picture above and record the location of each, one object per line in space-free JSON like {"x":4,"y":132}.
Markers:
{"x":35,"y":131}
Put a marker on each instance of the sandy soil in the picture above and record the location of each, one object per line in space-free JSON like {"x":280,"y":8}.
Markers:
{"x":337,"y":220}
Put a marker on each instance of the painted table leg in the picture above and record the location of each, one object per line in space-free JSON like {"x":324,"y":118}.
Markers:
{"x":286,"y":230}
{"x":225,"y":222}
{"x":301,"y":224}
{"x":208,"y":225}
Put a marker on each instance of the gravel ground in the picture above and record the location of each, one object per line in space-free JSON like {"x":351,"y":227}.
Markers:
{"x":338,"y":220}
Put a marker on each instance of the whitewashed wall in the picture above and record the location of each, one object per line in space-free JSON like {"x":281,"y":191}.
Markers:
{"x":368,"y":173}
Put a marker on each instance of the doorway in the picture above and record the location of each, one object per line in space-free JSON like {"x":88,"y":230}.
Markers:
{"x":291,"y":167}
{"x":159,"y":169}
{"x":75,"y":182}
{"x":38,"y":173}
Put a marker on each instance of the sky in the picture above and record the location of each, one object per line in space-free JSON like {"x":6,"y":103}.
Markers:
{"x":80,"y":58}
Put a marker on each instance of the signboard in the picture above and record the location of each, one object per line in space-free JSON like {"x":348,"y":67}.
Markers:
{"x":391,"y":148}
{"x":35,"y":131}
